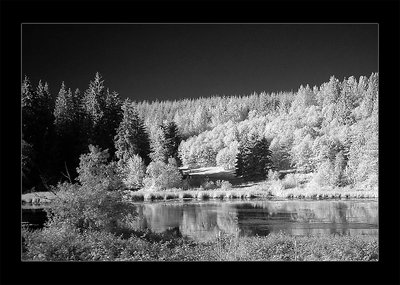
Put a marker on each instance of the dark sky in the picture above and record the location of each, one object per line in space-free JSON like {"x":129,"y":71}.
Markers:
{"x":172,"y":61}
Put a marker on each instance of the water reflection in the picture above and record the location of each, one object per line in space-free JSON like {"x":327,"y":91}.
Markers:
{"x":204,"y":220}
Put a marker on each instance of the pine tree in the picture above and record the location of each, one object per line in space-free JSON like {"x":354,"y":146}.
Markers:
{"x":264,"y":158}
{"x":158,"y":151}
{"x":37,"y":125}
{"x":345,"y":104}
{"x":111,"y":119}
{"x":165,"y":143}
{"x":37,"y":117}
{"x":172,"y":141}
{"x":71,"y":141}
{"x":245,"y":161}
{"x":29,"y":105}
{"x":131,"y":137}
{"x":94,"y":102}
{"x":254,"y":159}
{"x":63,"y":111}
{"x":102,"y":114}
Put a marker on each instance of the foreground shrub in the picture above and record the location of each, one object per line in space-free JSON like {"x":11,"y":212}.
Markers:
{"x":84,"y":207}
{"x":94,"y":169}
{"x":133,"y":172}
{"x":95,"y":203}
{"x":290,"y":181}
{"x":61,"y":244}
{"x":162,"y":176}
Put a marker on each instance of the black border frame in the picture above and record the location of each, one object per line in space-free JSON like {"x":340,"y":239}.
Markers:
{"x":384,"y":12}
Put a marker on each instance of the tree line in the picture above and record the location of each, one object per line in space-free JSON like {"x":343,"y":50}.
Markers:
{"x":56,"y":132}
{"x":330,"y":130}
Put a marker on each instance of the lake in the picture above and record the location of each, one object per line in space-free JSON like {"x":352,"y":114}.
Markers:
{"x":204,"y":220}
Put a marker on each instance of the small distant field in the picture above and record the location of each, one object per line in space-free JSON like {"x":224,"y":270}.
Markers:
{"x":198,"y":175}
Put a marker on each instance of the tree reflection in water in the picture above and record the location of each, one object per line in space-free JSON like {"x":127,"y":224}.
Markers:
{"x":204,"y":220}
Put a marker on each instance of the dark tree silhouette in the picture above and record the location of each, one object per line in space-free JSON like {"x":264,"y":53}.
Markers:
{"x":172,"y":141}
{"x":37,"y":126}
{"x":102,"y":114}
{"x":253,"y":159}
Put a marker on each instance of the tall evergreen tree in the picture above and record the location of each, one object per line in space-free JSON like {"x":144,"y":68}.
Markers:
{"x":102,"y":114}
{"x":158,"y":151}
{"x":37,"y":125}
{"x":63,"y":111}
{"x":263,"y":157}
{"x":172,"y":141}
{"x":71,"y":141}
{"x":37,"y":117}
{"x":131,"y":137}
{"x":254,"y":159}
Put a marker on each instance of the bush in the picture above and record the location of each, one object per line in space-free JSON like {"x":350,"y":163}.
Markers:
{"x":290,"y":181}
{"x":94,"y":203}
{"x":60,"y":243}
{"x":63,"y":244}
{"x":161,"y":176}
{"x":208,"y":185}
{"x":272,"y":175}
{"x":84,"y":207}
{"x":226,"y":185}
{"x":134,"y":172}
{"x":94,"y":170}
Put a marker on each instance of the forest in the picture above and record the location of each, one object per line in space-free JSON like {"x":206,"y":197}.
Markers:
{"x":95,"y":153}
{"x":329,"y":132}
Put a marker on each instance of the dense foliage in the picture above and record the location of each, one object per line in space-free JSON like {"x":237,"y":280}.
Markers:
{"x":253,"y":160}
{"x":57,"y":131}
{"x":330,"y":130}
{"x":96,"y":146}
{"x":161,"y":176}
{"x":60,"y":245}
{"x":165,"y":143}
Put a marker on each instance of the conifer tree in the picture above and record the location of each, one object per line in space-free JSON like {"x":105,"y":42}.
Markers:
{"x":131,"y":137}
{"x":263,"y":158}
{"x":158,"y":151}
{"x":71,"y":141}
{"x":63,"y":111}
{"x":172,"y":141}
{"x":37,"y":118}
{"x":37,"y":125}
{"x":102,"y":114}
{"x":254,"y":159}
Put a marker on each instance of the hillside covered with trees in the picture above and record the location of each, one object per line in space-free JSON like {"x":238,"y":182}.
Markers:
{"x":330,"y":132}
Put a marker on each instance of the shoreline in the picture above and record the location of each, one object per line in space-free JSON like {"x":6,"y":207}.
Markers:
{"x":245,"y":193}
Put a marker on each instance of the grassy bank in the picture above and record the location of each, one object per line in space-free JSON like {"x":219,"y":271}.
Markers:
{"x":52,"y":245}
{"x":209,"y":183}
{"x":260,"y":190}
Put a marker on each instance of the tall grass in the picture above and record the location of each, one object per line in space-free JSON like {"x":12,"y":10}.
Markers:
{"x":55,"y":244}
{"x":265,"y":190}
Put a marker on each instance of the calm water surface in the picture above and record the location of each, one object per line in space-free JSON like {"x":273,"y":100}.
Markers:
{"x":204,"y":220}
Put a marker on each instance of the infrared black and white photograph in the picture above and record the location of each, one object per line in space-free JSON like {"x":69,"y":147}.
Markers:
{"x":199,"y":142}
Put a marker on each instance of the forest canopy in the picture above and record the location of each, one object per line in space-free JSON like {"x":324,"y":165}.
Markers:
{"x":330,"y":131}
